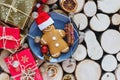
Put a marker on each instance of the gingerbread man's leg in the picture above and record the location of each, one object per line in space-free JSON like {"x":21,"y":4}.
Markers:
{"x":65,"y":50}
{"x":64,"y":47}
{"x":55,"y":53}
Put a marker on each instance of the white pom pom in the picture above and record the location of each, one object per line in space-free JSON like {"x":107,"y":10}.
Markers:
{"x":35,"y":15}
{"x":15,"y":64}
{"x":38,"y":5}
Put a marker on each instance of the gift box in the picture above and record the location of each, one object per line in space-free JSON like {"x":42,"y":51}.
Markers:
{"x":16,"y":12}
{"x":22,"y":66}
{"x":9,"y":38}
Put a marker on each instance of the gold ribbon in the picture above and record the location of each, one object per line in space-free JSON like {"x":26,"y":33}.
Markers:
{"x":5,"y":37}
{"x":12,"y":8}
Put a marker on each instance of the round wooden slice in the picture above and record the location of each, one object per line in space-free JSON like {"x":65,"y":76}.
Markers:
{"x":3,"y":55}
{"x":108,"y":6}
{"x":69,"y":65}
{"x":81,"y":21}
{"x":81,"y":37}
{"x":90,"y":8}
{"x":88,"y":70}
{"x":109,"y":63}
{"x":80,"y":53}
{"x":68,"y":77}
{"x":94,"y":49}
{"x":119,"y":28}
{"x":110,"y":41}
{"x":116,"y":19}
{"x":80,"y":5}
{"x":108,"y":76}
{"x":46,"y":8}
{"x":118,"y":56}
{"x":51,"y":71}
{"x":51,"y":2}
{"x":117,"y":73}
{"x":100,"y":22}
{"x":4,"y":76}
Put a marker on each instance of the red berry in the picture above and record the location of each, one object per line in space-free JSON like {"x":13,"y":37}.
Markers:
{"x":44,"y":1}
{"x":44,"y":49}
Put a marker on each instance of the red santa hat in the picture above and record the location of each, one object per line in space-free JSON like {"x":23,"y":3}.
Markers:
{"x":44,"y":20}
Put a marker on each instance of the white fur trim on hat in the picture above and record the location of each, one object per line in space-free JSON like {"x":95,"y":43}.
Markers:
{"x":45,"y":24}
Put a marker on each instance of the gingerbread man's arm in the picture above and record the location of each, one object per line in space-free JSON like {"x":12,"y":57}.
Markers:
{"x":43,"y":41}
{"x":62,"y":33}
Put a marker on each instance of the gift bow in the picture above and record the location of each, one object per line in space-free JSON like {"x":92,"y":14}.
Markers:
{"x":26,"y":74}
{"x":5,"y":37}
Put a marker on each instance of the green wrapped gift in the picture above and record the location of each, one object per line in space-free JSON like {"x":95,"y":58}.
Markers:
{"x":16,"y":12}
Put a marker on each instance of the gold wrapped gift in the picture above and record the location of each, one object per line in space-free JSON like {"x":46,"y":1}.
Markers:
{"x":16,"y":12}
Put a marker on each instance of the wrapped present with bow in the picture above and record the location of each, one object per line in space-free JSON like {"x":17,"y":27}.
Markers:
{"x":16,"y":12}
{"x":9,"y":38}
{"x":22,"y":66}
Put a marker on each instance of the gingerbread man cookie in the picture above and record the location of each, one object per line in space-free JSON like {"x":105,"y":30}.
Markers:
{"x":51,"y":36}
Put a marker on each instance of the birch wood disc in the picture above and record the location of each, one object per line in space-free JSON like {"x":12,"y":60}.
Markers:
{"x":80,"y":20}
{"x":108,"y":6}
{"x":80,"y":5}
{"x":81,"y":37}
{"x":4,"y":76}
{"x":116,"y":19}
{"x":109,"y":63}
{"x":88,"y":70}
{"x":3,"y":55}
{"x":68,"y":77}
{"x":110,"y":41}
{"x":94,"y":49}
{"x":108,"y":76}
{"x":46,"y":8}
{"x":100,"y":22}
{"x":119,"y":28}
{"x":90,"y":8}
{"x":69,"y":65}
{"x":118,"y":56}
{"x":80,"y":53}
{"x":117,"y":73}
{"x":51,"y":71}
